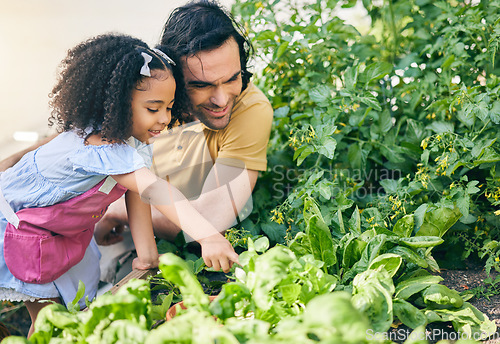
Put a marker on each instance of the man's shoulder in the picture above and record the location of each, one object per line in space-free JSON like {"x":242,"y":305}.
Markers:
{"x":250,"y":100}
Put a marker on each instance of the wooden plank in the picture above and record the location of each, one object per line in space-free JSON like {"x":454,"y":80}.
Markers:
{"x":139,"y":274}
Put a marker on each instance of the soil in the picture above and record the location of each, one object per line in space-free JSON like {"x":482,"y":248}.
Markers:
{"x":14,"y":319}
{"x":470,"y":277}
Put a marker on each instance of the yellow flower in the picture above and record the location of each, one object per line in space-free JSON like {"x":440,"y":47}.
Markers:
{"x":312,"y":133}
{"x":497,"y":213}
{"x":277,"y":216}
{"x":497,"y":259}
{"x":424,"y":143}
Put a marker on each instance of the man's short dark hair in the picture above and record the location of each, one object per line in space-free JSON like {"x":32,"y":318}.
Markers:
{"x":205,"y":25}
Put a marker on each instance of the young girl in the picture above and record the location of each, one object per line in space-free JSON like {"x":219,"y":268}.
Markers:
{"x":113,"y":97}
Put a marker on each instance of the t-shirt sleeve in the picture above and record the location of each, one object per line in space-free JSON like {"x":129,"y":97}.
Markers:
{"x":111,"y":159}
{"x":247,"y":137}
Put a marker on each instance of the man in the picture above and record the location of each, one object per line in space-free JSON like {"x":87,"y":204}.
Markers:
{"x":215,"y":158}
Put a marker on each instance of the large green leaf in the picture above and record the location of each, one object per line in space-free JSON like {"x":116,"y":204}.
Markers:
{"x":438,"y":296}
{"x":409,"y":255}
{"x":224,"y":305}
{"x":390,"y":262}
{"x":320,"y":237}
{"x":372,"y":295}
{"x":438,"y":221}
{"x":408,"y":314}
{"x":421,"y":241}
{"x":375,"y":71}
{"x":404,"y":226}
{"x":333,"y":318}
{"x":411,"y":286}
{"x":176,"y":270}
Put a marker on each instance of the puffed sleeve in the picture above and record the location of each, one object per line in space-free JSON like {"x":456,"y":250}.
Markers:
{"x":111,"y":159}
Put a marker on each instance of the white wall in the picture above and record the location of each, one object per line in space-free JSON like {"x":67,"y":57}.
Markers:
{"x":34,"y":38}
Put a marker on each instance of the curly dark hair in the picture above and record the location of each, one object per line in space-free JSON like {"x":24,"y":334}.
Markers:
{"x":205,"y":25}
{"x":95,"y":85}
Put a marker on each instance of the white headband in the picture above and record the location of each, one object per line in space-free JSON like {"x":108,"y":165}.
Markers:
{"x":145,"y":68}
{"x":165,"y":56}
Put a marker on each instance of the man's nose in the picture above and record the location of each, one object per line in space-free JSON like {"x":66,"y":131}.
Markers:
{"x":220,"y":97}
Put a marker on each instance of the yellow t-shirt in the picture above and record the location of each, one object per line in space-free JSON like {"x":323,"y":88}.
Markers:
{"x":185,"y":154}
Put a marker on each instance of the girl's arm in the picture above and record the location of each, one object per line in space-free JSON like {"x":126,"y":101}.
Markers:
{"x":217,"y":252}
{"x":141,"y":227}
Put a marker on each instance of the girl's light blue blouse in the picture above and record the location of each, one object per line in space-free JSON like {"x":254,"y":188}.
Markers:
{"x":57,"y":171}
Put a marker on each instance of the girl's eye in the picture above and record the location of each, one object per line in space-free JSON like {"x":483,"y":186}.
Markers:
{"x":152,"y":110}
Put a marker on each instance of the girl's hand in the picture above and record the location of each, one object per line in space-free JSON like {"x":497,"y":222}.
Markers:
{"x":218,"y":253}
{"x":138,"y":265}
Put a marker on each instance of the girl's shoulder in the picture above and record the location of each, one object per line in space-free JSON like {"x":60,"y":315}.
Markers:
{"x":97,"y":156}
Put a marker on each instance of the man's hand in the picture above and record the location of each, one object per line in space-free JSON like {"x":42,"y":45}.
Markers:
{"x":14,"y":158}
{"x":9,"y":162}
{"x":108,"y":232}
{"x":109,"y":229}
{"x":218,"y":253}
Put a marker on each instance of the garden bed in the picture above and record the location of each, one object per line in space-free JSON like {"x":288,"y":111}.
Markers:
{"x":469,"y":278}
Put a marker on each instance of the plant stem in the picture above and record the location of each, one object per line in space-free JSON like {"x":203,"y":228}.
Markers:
{"x":480,"y":131}
{"x":394,"y":32}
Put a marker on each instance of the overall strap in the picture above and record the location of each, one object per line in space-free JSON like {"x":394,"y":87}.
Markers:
{"x":7,"y":211}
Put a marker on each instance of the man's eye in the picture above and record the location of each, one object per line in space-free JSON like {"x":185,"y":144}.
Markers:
{"x":196,"y":86}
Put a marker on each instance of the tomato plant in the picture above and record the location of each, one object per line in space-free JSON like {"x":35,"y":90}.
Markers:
{"x":399,"y":120}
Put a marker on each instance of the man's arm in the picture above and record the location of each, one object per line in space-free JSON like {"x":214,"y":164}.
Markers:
{"x":14,"y":158}
{"x":226,"y":191}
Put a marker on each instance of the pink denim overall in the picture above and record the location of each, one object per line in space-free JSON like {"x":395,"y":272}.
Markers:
{"x":41,"y":244}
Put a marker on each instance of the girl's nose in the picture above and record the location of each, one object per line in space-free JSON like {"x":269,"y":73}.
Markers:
{"x":165,"y":117}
